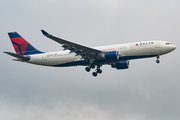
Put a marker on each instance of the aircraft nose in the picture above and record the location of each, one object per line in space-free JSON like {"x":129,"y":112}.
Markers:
{"x":173,"y":47}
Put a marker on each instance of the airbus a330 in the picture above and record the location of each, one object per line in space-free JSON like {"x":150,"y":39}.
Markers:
{"x":117,"y":56}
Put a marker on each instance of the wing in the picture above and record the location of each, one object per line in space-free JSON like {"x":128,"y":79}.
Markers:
{"x":85,"y":52}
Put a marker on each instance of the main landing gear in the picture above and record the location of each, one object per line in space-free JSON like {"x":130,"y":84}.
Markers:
{"x":90,"y":66}
{"x":158,"y":61}
{"x":98,"y":70}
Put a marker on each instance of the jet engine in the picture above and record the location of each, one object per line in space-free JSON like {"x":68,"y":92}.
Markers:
{"x":111,"y":56}
{"x":121,"y":65}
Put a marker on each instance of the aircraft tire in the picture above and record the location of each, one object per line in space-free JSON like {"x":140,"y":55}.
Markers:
{"x":94,"y":74}
{"x":99,"y":71}
{"x":157,"y":61}
{"x":87,"y":69}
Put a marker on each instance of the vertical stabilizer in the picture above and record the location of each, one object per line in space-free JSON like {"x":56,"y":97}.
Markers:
{"x":21,"y":46}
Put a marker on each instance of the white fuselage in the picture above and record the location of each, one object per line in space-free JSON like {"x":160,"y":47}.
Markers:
{"x":126,"y":51}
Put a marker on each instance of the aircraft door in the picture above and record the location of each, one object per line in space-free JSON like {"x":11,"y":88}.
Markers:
{"x":43,"y":57}
{"x":157,"y":44}
{"x":132,"y":47}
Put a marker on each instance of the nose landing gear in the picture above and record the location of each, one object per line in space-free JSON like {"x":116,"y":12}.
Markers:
{"x":158,"y":61}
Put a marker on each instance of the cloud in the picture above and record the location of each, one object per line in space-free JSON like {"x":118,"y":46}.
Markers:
{"x":61,"y":111}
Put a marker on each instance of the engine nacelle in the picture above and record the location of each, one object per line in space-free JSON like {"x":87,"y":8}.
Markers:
{"x":111,"y":56}
{"x":121,"y":65}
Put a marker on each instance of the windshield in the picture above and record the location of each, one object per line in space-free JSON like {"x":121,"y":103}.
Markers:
{"x":168,"y":43}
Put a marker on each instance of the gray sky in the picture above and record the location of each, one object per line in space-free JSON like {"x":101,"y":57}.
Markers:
{"x":146,"y":91}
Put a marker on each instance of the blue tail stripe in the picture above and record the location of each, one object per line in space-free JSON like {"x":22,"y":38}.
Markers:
{"x":13,"y":35}
{"x":31,"y":50}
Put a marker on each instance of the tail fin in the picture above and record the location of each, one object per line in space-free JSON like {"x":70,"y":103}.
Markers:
{"x":21,"y":46}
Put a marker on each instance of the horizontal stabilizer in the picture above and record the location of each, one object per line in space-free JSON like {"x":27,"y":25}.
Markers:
{"x":26,"y":58}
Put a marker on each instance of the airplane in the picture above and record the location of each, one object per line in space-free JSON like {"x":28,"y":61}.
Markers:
{"x":73,"y":54}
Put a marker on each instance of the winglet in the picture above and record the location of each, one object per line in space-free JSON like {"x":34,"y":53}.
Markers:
{"x":45,"y":33}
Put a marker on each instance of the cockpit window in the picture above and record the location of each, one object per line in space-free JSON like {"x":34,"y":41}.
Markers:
{"x":168,"y":43}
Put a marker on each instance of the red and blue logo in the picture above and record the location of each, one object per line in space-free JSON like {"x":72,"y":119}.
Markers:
{"x":21,"y":46}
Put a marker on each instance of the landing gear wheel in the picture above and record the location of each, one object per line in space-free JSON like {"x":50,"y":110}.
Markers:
{"x":157,"y":61}
{"x":94,"y":74}
{"x":99,"y":71}
{"x":87,"y":69}
{"x":92,"y":66}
